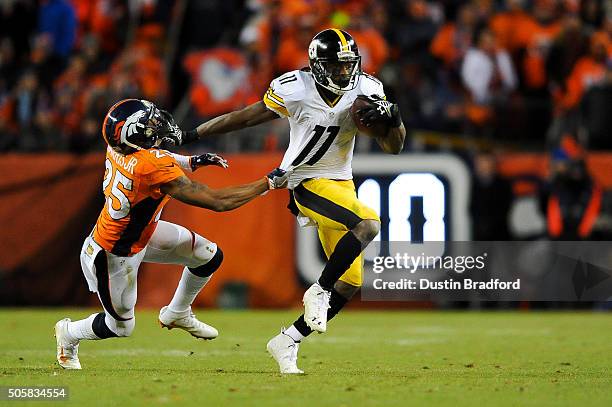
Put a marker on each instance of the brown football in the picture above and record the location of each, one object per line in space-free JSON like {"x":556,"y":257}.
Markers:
{"x":376,"y":130}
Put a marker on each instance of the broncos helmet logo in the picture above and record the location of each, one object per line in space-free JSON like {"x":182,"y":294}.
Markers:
{"x":131,"y":126}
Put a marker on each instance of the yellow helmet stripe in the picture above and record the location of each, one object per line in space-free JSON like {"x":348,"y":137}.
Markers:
{"x":344,"y":46}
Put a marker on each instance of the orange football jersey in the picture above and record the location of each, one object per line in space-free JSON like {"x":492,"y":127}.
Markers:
{"x":133,"y":199}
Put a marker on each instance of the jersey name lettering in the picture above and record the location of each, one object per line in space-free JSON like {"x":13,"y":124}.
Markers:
{"x":121,"y":161}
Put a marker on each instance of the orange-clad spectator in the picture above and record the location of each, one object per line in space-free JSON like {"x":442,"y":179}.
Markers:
{"x":260,"y":39}
{"x":373,"y":49}
{"x":292,"y":53}
{"x":274,"y":21}
{"x":588,"y":71}
{"x":8,"y":127}
{"x":488,"y":74}
{"x":607,"y":28}
{"x":146,"y":69}
{"x":293,"y":50}
{"x":511,"y":25}
{"x":572,"y":202}
{"x":536,"y":35}
{"x":453,"y":40}
{"x":539,"y":43}
{"x":102,"y":17}
{"x":68,"y":90}
{"x":372,"y":45}
{"x":571,"y":44}
{"x":219,"y":80}
{"x":83,"y":10}
{"x":352,"y":7}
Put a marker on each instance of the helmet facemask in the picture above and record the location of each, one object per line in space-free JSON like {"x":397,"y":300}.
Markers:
{"x":143,"y":129}
{"x":337,"y":75}
{"x":342,"y":75}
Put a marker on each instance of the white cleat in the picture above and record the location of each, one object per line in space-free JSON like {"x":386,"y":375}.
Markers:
{"x":67,"y":352}
{"x":284,"y":350}
{"x":316,"y":304}
{"x":186,"y":321}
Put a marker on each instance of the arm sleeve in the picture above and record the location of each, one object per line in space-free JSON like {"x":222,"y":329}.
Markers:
{"x":184,"y":161}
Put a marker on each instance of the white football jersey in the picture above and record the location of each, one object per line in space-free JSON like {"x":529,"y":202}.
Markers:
{"x":322,"y":137}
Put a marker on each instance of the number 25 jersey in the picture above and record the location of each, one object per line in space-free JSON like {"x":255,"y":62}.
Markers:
{"x":133,"y":200}
{"x":322,"y":134}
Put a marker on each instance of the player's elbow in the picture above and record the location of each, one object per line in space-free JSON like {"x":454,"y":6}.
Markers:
{"x":395,"y":150}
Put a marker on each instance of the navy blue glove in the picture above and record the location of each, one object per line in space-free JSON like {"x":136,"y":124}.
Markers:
{"x":203,"y":160}
{"x":278,"y":178}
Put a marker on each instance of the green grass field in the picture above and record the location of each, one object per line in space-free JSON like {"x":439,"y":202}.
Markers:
{"x":366,"y":358}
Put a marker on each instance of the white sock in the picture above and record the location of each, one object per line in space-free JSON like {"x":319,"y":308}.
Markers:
{"x":293,"y":333}
{"x":82,"y":329}
{"x":188,"y":288}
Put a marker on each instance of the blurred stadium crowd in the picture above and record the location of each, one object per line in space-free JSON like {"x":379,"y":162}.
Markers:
{"x":520,"y":72}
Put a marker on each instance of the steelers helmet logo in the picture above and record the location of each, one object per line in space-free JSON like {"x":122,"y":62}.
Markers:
{"x":312,"y":50}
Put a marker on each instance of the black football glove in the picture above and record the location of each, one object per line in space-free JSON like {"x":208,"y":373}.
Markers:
{"x":203,"y":160}
{"x":380,"y":111}
{"x":172,"y":135}
{"x":278,"y":178}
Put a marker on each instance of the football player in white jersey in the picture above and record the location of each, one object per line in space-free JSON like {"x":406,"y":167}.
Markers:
{"x":317,"y":102}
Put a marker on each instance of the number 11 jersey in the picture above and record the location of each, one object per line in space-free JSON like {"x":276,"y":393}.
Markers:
{"x":322,"y":133}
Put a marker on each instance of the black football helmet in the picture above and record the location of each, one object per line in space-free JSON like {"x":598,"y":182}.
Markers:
{"x":133,"y":124}
{"x":334,"y":60}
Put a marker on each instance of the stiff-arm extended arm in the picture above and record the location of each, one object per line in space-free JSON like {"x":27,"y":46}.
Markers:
{"x":218,"y":200}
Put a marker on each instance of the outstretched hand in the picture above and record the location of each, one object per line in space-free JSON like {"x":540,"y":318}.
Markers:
{"x":203,"y":160}
{"x":278,"y":178}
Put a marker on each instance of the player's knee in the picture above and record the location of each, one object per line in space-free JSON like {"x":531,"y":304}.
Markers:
{"x":367,"y":229}
{"x":208,"y":268}
{"x":124,"y":310}
{"x":105,"y":326}
{"x":125,"y":328}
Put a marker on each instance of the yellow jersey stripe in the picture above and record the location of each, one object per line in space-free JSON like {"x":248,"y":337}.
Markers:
{"x":274,"y":96}
{"x":275,"y":106}
{"x":343,"y":42}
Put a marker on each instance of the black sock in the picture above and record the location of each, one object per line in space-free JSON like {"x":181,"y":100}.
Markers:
{"x":346,"y":251}
{"x":336,"y":303}
{"x":100,"y":329}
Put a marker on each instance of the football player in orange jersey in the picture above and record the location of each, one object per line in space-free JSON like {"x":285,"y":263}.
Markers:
{"x":139,"y":180}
